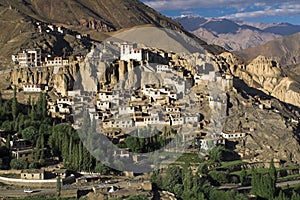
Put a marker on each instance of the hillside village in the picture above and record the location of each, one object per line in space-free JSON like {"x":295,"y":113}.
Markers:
{"x":188,"y":101}
{"x":140,"y":89}
{"x":168,"y":105}
{"x":158,"y":105}
{"x":112,"y":100}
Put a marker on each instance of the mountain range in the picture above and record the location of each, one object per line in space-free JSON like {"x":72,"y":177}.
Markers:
{"x":285,"y":50}
{"x":234,"y":35}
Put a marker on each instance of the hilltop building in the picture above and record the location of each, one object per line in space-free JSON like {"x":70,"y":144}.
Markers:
{"x":28,"y":58}
{"x":57,"y":61}
{"x":131,"y":52}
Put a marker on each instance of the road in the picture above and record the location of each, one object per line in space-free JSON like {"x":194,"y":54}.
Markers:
{"x":238,"y":187}
{"x":9,"y":192}
{"x":21,"y":193}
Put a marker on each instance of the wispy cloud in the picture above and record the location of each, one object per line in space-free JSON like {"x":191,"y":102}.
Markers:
{"x":188,"y":4}
{"x":231,"y":9}
{"x":285,"y":9}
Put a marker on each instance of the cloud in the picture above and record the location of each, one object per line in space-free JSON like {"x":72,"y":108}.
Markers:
{"x":285,"y":9}
{"x":191,"y":4}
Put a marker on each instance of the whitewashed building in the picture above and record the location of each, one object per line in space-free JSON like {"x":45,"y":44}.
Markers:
{"x":163,"y":68}
{"x":57,"y":61}
{"x":32,"y":88}
{"x":63,"y":109}
{"x":103,"y":105}
{"x":28,"y":58}
{"x":126,"y":110}
{"x":176,"y":120}
{"x":119,"y":123}
{"x":233,"y":135}
{"x":131,"y":52}
{"x":67,"y":101}
{"x":108,"y":96}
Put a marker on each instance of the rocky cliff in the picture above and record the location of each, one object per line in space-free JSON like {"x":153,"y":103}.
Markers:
{"x":264,"y":74}
{"x":273,"y":137}
{"x":61,"y":81}
{"x":285,"y":50}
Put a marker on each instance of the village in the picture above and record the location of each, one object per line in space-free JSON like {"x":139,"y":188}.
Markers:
{"x":189,"y":103}
{"x":120,"y":111}
{"x":174,"y":103}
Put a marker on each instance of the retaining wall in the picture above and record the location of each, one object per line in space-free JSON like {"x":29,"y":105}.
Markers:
{"x":29,"y":183}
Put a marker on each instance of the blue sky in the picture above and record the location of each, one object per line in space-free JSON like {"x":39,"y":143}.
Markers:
{"x":266,"y":11}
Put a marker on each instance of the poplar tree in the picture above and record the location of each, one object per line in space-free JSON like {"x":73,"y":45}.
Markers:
{"x":7,"y":144}
{"x":14,"y":106}
{"x":58,"y":186}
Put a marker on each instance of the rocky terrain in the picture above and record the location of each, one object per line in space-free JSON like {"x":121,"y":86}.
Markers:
{"x":98,"y":18}
{"x":100,"y":15}
{"x":273,"y":135}
{"x":61,"y":81}
{"x":259,"y":104}
{"x":235,"y":35}
{"x":266,"y":75}
{"x":285,"y":50}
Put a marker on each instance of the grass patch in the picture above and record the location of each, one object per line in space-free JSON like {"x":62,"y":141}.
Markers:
{"x":249,"y":171}
{"x":11,"y":175}
{"x":294,"y":187}
{"x":231,"y":163}
{"x":265,"y":170}
{"x":286,"y":178}
{"x":189,"y":158}
{"x":288,"y":168}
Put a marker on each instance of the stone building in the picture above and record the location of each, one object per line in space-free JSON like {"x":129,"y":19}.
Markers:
{"x":131,"y":52}
{"x":28,"y":58}
{"x":33,"y":174}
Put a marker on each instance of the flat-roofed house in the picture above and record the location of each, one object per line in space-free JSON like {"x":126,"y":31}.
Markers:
{"x":32,"y":88}
{"x":33,"y":174}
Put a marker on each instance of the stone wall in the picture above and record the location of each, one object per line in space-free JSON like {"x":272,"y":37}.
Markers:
{"x":29,"y":183}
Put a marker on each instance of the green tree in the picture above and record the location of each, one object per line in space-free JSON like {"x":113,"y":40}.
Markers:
{"x":295,"y":196}
{"x":58,"y":186}
{"x":30,"y":134}
{"x":219,"y":177}
{"x":203,"y":169}
{"x":8,"y":126}
{"x":7,"y":144}
{"x":216,"y":154}
{"x":173,"y":177}
{"x":281,"y":196}
{"x":102,"y":169}
{"x":264,"y":185}
{"x":14,"y":106}
{"x":178,"y":190}
{"x":137,"y":197}
{"x":243,"y":177}
{"x":157,"y":179}
{"x":18,"y":164}
{"x":133,"y":144}
{"x":273,"y":175}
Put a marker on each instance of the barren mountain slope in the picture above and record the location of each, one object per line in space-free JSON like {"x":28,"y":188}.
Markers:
{"x":286,"y":50}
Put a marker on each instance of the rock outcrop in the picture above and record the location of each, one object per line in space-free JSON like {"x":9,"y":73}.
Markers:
{"x":264,"y":74}
{"x":98,"y":25}
{"x":272,"y":137}
{"x":62,"y":81}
